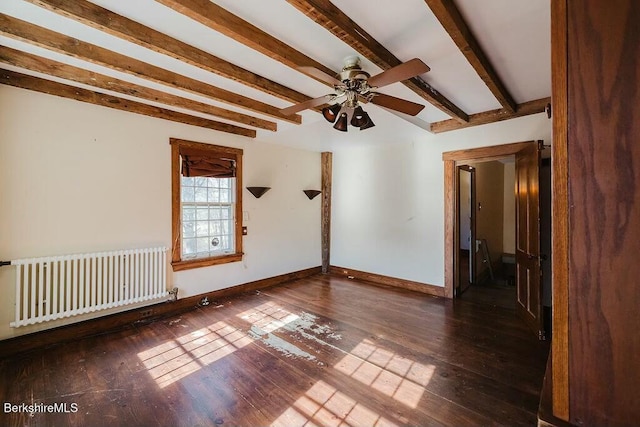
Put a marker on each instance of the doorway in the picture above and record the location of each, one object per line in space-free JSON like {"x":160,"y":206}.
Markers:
{"x":466,"y":226}
{"x":528,"y":257}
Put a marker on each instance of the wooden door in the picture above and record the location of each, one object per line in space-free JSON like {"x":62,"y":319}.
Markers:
{"x":529,"y":289}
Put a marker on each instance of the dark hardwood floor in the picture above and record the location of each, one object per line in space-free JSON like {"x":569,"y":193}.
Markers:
{"x":499,"y":292}
{"x":323,"y":351}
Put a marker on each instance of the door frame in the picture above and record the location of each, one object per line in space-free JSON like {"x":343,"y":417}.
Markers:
{"x":451,"y":159}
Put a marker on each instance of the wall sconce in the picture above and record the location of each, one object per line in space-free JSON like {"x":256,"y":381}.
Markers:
{"x":311,"y":193}
{"x":258,"y":191}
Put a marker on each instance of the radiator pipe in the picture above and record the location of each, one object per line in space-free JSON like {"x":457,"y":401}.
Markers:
{"x":173,"y":295}
{"x":3,"y":263}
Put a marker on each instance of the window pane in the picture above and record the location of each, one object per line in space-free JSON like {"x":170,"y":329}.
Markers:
{"x":201,"y":181}
{"x":201,"y":195}
{"x":214,"y":228}
{"x":203,"y":244}
{"x":188,"y":229}
{"x":202,"y":228}
{"x":187,"y":181}
{"x":187,"y":194}
{"x":188,"y":213}
{"x":203,"y":213}
{"x":214,"y":195}
{"x":189,"y":246}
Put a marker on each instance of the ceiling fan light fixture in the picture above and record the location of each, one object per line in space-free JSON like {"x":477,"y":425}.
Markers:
{"x":331,"y":112}
{"x":368,"y":122}
{"x":341,"y":123}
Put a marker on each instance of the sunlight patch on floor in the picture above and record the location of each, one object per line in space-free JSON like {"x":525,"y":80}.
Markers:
{"x":391,"y":374}
{"x":323,"y":405}
{"x":268,"y":316}
{"x":177,"y":358}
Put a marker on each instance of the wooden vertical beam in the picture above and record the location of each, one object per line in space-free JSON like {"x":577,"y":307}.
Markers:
{"x":559,"y":213}
{"x":326,"y":167}
{"x":449,"y":226}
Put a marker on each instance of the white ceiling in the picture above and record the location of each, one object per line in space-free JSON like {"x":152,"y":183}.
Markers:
{"x":514,"y":35}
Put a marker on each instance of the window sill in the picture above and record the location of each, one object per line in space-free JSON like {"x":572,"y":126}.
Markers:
{"x":205,"y":262}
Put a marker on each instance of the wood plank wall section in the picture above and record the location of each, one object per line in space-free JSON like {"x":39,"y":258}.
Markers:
{"x":126,"y":319}
{"x":37,"y":84}
{"x":326,"y":167}
{"x":560,"y":215}
{"x":604,"y":201}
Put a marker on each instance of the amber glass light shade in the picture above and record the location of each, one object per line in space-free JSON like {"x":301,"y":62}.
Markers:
{"x":368,"y":122}
{"x":330,"y":113}
{"x":341,"y":123}
{"x":359,"y":117}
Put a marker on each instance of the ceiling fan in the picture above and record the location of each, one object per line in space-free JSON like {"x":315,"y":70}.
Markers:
{"x":354,"y":86}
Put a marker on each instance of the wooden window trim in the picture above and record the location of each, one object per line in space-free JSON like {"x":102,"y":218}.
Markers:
{"x":177,"y":263}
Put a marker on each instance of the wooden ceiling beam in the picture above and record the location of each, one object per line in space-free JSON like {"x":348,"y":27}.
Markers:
{"x":30,"y":33}
{"x":68,"y":72}
{"x":37,"y":84}
{"x":232,"y":26}
{"x":134,"y":32}
{"x":524,"y":109}
{"x":335,"y":21}
{"x":453,"y":22}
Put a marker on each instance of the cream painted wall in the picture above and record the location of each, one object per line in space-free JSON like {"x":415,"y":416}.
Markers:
{"x":388,"y":201}
{"x":509,"y":233}
{"x":78,"y":178}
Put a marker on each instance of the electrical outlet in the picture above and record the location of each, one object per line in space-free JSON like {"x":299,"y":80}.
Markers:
{"x":146,"y":313}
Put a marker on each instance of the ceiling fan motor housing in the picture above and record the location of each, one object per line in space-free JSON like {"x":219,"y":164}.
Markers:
{"x":352,"y":74}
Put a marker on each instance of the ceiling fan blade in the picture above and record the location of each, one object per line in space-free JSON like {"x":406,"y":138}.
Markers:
{"x":397,"y":104}
{"x":319,"y":75}
{"x":401,"y":72}
{"x":307,"y":104}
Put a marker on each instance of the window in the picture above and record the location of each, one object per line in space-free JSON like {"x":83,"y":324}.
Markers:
{"x":206,"y":204}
